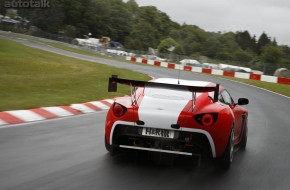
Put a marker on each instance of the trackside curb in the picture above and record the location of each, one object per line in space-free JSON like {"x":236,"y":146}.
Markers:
{"x":44,"y":113}
{"x":250,"y":76}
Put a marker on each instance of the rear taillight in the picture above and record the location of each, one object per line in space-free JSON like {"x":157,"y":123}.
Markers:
{"x":207,"y":119}
{"x":119,"y":110}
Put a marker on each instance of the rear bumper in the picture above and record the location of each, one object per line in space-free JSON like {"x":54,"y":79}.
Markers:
{"x":156,"y":150}
{"x":187,"y":142}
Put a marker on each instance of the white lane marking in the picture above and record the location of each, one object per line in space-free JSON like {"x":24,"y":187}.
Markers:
{"x":26,"y":115}
{"x":58,"y":111}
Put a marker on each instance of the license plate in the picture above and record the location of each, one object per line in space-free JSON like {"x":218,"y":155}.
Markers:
{"x":158,"y":133}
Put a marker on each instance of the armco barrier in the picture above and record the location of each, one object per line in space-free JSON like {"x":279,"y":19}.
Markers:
{"x":241,"y":75}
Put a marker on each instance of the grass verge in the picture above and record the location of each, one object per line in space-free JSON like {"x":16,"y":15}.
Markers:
{"x":279,"y":88}
{"x":32,"y":78}
{"x":60,"y":46}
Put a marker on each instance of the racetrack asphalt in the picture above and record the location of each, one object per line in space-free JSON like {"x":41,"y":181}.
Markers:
{"x":69,"y":153}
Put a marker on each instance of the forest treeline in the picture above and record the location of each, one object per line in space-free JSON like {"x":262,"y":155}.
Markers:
{"x":139,"y":27}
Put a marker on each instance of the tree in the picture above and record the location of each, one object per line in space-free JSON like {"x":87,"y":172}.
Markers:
{"x":228,"y":41}
{"x":141,"y":27}
{"x":133,"y":7}
{"x":263,"y":41}
{"x":120,"y":22}
{"x":48,"y":19}
{"x":141,"y":37}
{"x":274,"y":42}
{"x":271,"y":56}
{"x":2,"y":7}
{"x":166,"y":44}
{"x":69,"y":30}
{"x":190,"y":38}
{"x":286,"y":53}
{"x":242,"y":56}
{"x":256,"y":63}
{"x":211,"y":47}
{"x":158,"y":20}
{"x":224,"y":55}
{"x":245,"y":41}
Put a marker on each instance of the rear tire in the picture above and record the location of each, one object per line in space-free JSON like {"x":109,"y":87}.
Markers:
{"x":111,"y":149}
{"x":245,"y":137}
{"x":228,"y":156}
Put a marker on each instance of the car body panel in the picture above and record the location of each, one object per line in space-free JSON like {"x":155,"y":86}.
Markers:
{"x":163,"y":108}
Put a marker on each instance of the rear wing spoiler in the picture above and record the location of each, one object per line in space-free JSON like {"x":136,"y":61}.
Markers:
{"x":114,"y":80}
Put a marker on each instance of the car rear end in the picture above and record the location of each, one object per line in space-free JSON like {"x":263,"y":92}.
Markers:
{"x":155,"y":122}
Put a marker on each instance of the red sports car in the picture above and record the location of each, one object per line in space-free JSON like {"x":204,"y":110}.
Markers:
{"x":178,"y":117}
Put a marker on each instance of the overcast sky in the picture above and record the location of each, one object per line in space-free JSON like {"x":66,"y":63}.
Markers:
{"x":256,"y":16}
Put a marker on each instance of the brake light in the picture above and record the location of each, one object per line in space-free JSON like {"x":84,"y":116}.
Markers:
{"x":119,"y":110}
{"x":207,"y":119}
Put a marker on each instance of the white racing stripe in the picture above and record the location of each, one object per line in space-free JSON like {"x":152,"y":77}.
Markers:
{"x":160,"y":113}
{"x":160,"y":108}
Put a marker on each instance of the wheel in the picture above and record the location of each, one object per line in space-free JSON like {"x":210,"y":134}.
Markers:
{"x":245,"y":137}
{"x":228,"y":156}
{"x":111,"y":149}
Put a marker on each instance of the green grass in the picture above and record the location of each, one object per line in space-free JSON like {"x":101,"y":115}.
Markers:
{"x":279,"y":88}
{"x":55,"y":44}
{"x":66,"y":48}
{"x":60,"y":46}
{"x":32,"y":78}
